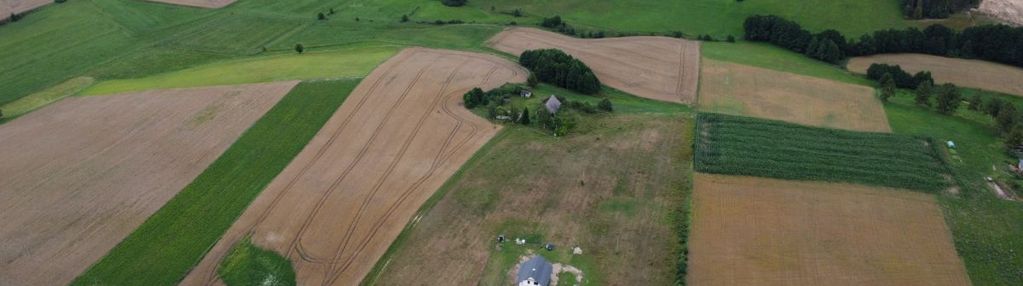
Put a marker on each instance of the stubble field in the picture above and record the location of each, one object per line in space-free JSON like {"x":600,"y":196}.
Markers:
{"x":336,"y":208}
{"x":198,"y":3}
{"x":659,"y":68}
{"x":82,"y":174}
{"x":755,"y":231}
{"x":969,"y":73}
{"x":750,"y":91}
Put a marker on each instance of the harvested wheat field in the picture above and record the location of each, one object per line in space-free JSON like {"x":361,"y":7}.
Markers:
{"x":8,"y":7}
{"x":198,"y":3}
{"x":83,"y":173}
{"x":659,"y":68}
{"x":970,"y":73}
{"x":400,"y":134}
{"x":751,"y":91}
{"x":756,"y":231}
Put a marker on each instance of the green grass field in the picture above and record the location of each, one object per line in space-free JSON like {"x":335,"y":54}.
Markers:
{"x":754,"y":147}
{"x":986,"y":229}
{"x":345,"y":63}
{"x":175,"y":238}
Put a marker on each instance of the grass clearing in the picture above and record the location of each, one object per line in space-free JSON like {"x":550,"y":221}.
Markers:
{"x":749,"y":91}
{"x":754,"y":147}
{"x":758,"y":231}
{"x":163,"y":249}
{"x":775,"y":58}
{"x":613,"y":190}
{"x":355,"y":62}
{"x":39,"y":99}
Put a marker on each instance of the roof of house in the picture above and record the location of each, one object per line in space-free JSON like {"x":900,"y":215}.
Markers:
{"x":537,"y":269}
{"x":553,"y":104}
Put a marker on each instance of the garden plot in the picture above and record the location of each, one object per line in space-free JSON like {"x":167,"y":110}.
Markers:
{"x":81,"y":174}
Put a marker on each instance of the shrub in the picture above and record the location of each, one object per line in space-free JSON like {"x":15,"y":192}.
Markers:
{"x":454,"y":3}
{"x":321,"y":16}
{"x":299,"y":48}
{"x":605,"y":105}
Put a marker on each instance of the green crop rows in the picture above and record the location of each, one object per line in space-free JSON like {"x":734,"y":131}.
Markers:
{"x":753,"y":147}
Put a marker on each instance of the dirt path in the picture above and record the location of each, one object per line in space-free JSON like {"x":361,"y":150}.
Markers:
{"x":969,"y":73}
{"x":81,"y":174}
{"x":660,"y":68}
{"x":336,"y":208}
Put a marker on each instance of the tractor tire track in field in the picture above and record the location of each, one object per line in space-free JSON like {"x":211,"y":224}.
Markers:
{"x":337,"y":207}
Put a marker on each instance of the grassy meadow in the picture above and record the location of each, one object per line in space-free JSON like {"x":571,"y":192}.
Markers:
{"x":164,"y":248}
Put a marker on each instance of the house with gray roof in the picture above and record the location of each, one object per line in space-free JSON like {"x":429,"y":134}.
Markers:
{"x":553,"y":104}
{"x":535,"y":271}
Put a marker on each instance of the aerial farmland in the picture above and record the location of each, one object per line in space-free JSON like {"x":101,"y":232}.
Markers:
{"x":511,"y":142}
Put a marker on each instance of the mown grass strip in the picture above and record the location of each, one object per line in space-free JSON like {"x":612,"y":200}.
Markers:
{"x":753,"y":147}
{"x":163,"y":249}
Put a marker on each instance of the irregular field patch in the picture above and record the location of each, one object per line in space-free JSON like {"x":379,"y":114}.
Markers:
{"x":754,"y":147}
{"x":659,"y":68}
{"x":42,"y":98}
{"x":613,"y":190}
{"x":8,"y":7}
{"x":164,"y":248}
{"x":756,"y":231}
{"x":198,"y":3}
{"x":744,"y":90}
{"x":971,"y":73}
{"x":336,"y":208}
{"x":81,"y":174}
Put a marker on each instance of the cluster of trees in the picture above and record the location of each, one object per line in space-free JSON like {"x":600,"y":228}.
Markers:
{"x":558,"y":68}
{"x":828,"y":46}
{"x":997,"y":43}
{"x":454,"y":3}
{"x":920,"y":9}
{"x":1008,"y":119}
{"x":901,"y":78}
{"x":555,"y":23}
{"x":498,"y":107}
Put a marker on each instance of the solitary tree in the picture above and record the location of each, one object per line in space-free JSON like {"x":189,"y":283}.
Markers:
{"x":923,"y":93}
{"x":524,"y":117}
{"x":948,"y":99}
{"x":299,"y":48}
{"x":605,"y":105}
{"x":1006,"y":118}
{"x":976,"y":102}
{"x":321,"y":16}
{"x":404,"y":18}
{"x":887,"y":87}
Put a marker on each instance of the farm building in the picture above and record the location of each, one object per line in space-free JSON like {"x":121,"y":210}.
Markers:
{"x":526,"y":93}
{"x":535,"y":271}
{"x":553,"y":104}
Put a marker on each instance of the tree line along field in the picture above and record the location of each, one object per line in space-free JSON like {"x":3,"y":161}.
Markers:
{"x":754,"y":147}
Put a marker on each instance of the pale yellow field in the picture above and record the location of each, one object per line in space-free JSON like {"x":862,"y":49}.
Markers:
{"x":757,"y":231}
{"x":962,"y":72}
{"x":751,"y":91}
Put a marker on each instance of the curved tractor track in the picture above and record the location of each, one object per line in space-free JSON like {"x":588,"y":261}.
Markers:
{"x":337,"y":207}
{"x":643,"y":66}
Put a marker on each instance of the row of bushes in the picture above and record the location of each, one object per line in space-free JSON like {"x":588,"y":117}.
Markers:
{"x":901,"y":78}
{"x":998,"y":43}
{"x":754,"y":147}
{"x":560,"y":69}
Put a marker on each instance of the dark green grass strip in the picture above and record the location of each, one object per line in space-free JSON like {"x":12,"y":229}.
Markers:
{"x":172,"y":241}
{"x":247,"y":264}
{"x":753,"y":147}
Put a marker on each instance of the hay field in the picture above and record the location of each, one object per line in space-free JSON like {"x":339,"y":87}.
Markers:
{"x":754,"y":231}
{"x":970,"y":73}
{"x":402,"y":132}
{"x":198,"y":3}
{"x":750,"y":91}
{"x":83,"y":173}
{"x":659,"y":68}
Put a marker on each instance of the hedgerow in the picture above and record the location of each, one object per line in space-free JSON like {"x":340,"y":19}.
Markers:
{"x":753,"y":147}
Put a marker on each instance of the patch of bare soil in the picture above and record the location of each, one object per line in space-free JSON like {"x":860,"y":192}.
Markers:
{"x":212,"y":4}
{"x":970,"y":73}
{"x":81,"y":174}
{"x":757,"y":231}
{"x":660,"y":68}
{"x":1009,"y":11}
{"x":342,"y":201}
{"x":750,"y":91}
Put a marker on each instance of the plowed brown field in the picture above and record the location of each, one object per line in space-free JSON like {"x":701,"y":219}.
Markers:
{"x":750,"y":91}
{"x":198,"y":3}
{"x":970,"y":73}
{"x":756,"y":231}
{"x":338,"y":206}
{"x":81,"y":174}
{"x":660,"y":68}
{"x":7,"y":7}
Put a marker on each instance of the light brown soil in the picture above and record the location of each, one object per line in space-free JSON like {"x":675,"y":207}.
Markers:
{"x":970,"y":73}
{"x":198,"y":3}
{"x":660,"y":68}
{"x":750,"y":91}
{"x":756,"y":231}
{"x":20,"y":6}
{"x":400,"y":134}
{"x":1010,"y":11}
{"x":81,"y":174}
